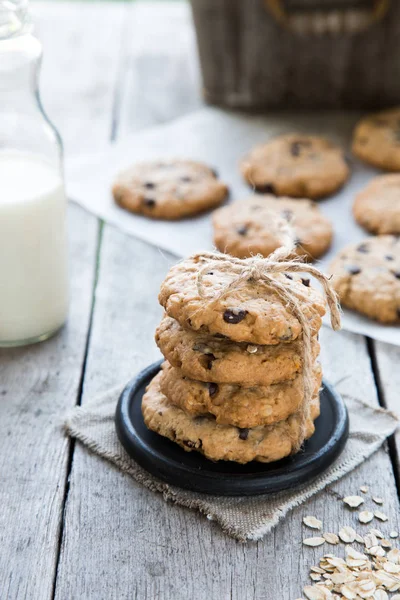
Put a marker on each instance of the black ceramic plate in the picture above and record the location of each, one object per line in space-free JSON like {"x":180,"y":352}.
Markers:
{"x":190,"y":470}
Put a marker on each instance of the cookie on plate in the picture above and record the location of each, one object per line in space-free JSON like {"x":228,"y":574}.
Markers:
{"x":209,"y":358}
{"x":377,"y":206}
{"x":254,"y":226}
{"x":250,"y":312}
{"x":296,"y":165}
{"x":223,"y":442}
{"x":168,"y":189}
{"x":232,"y":404}
{"x":376,"y":140}
{"x":367,"y":277}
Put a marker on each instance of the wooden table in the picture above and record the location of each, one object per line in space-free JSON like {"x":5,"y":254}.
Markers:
{"x":72,"y":527}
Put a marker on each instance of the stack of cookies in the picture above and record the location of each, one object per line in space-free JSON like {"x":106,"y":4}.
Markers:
{"x":232,"y":386}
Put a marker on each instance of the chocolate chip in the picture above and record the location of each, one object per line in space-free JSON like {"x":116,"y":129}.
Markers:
{"x":149,"y":202}
{"x":305,"y":281}
{"x":353,"y":270}
{"x":242,"y":229}
{"x":363,"y":248}
{"x":188,"y":443}
{"x":389,"y":257}
{"x":396,"y":274}
{"x":268,"y":188}
{"x":149,"y":185}
{"x":297,"y":241}
{"x":212,"y":389}
{"x":295,"y":148}
{"x":186,"y":179}
{"x":221,"y":336}
{"x":288,"y":276}
{"x":160,"y":413}
{"x":243,"y":433}
{"x":287,"y":214}
{"x":234,"y":315}
{"x":210,"y":273}
{"x":287,"y":336}
{"x":209,"y":361}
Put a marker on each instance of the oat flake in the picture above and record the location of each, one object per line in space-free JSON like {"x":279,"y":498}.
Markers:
{"x":312,"y":522}
{"x":353,"y":501}
{"x":314,"y":541}
{"x":380,"y":515}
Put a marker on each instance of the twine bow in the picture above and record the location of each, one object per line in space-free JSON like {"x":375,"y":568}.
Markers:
{"x":264,"y":270}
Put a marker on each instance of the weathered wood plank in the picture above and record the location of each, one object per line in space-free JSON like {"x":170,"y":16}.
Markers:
{"x":387,"y":362}
{"x":39,"y":383}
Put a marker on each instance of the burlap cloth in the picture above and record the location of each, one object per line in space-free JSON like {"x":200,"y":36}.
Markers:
{"x":244,"y":518}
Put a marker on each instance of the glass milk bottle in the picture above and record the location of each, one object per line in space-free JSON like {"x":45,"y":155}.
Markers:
{"x":33,"y":247}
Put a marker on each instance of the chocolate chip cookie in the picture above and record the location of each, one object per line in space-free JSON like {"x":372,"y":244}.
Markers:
{"x":296,"y":165}
{"x":222,"y":442}
{"x":377,"y":206}
{"x":233,"y":404}
{"x":367,"y":277}
{"x":254,"y":226}
{"x":210,"y":358}
{"x":376,"y":140}
{"x":168,"y":189}
{"x":249,"y":312}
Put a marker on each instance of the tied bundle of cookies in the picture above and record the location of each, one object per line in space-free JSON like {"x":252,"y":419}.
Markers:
{"x":240,"y":338}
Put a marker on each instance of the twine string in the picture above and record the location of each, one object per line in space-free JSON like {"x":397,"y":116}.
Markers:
{"x":263,"y":270}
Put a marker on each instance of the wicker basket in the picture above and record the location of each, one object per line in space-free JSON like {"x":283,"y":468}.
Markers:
{"x":299,"y":53}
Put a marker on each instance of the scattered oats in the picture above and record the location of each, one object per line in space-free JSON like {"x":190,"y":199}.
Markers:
{"x":370,"y":540}
{"x":389,"y":567}
{"x":381,"y":595}
{"x":377,"y":500}
{"x":394,"y":556}
{"x":331,"y":538}
{"x":394,"y":534}
{"x":315,"y":592}
{"x":347,"y":592}
{"x":366,"y":588}
{"x":335,"y":561}
{"x":312,"y":522}
{"x":315,"y":577}
{"x":317,"y":570}
{"x":395,"y":597}
{"x":365,"y":516}
{"x":376,"y":551}
{"x":314,"y":541}
{"x":380,"y":515}
{"x":378,"y":533}
{"x":355,"y":559}
{"x":385,"y":543}
{"x":359,"y":539}
{"x":347,"y":535}
{"x":364,"y":489}
{"x":353,"y":501}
